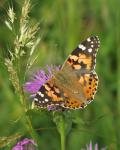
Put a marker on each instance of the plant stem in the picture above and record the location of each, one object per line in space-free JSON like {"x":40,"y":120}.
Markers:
{"x":63,"y":123}
{"x":118,"y":75}
{"x":27,"y":117}
{"x":62,"y":134}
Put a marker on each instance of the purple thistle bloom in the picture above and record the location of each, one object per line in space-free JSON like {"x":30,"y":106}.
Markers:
{"x":26,"y":144}
{"x":90,"y":147}
{"x":39,"y":79}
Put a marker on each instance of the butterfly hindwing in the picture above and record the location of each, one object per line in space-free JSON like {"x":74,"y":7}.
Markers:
{"x":89,"y":83}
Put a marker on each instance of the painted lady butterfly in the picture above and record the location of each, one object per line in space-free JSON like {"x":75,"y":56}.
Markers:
{"x":74,"y":86}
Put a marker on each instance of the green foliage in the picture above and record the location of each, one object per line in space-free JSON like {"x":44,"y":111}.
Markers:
{"x":63,"y":24}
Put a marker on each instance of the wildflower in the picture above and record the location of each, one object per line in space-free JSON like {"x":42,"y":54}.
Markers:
{"x":39,"y":79}
{"x":90,"y":147}
{"x":26,"y":144}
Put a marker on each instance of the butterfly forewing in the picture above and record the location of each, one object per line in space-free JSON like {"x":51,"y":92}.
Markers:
{"x":84,"y":56}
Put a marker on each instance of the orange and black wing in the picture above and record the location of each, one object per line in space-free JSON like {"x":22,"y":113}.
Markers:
{"x":84,"y":56}
{"x":81,"y":63}
{"x":80,"y":66}
{"x":53,"y":97}
{"x":49,"y":95}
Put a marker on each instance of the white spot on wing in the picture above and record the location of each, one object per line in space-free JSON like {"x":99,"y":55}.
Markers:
{"x":35,"y":99}
{"x":95,"y":61}
{"x":39,"y":93}
{"x":82,"y":47}
{"x":91,"y":42}
{"x":94,"y":55}
{"x":92,"y":45}
{"x":90,"y":50}
{"x":88,"y":39}
{"x":46,"y":100}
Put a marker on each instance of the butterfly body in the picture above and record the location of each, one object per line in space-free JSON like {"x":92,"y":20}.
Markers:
{"x":75,"y":85}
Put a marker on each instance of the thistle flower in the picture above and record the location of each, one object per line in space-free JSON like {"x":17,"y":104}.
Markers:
{"x":26,"y":144}
{"x":39,"y":79}
{"x":90,"y":147}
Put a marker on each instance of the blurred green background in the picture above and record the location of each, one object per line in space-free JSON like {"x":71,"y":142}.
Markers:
{"x":63,"y":24}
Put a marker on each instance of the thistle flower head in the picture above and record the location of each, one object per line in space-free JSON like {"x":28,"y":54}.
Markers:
{"x":26,"y":144}
{"x":39,"y":79}
{"x":90,"y":147}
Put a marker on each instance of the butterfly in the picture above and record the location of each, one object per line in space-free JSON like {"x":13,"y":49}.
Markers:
{"x":75,"y":84}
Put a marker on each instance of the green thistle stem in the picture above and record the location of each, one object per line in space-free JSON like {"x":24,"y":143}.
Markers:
{"x":62,"y":134}
{"x":63,"y":123}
